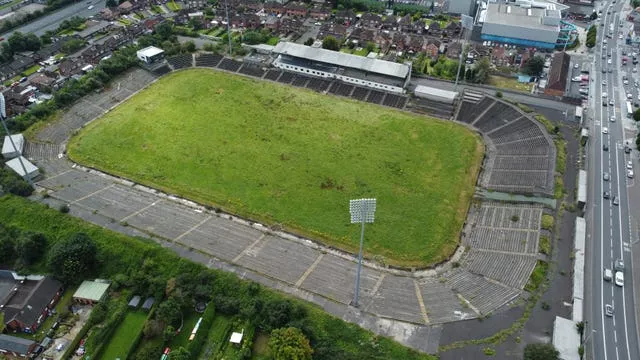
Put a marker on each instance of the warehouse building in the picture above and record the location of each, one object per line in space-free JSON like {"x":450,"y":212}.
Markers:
{"x":353,"y":69}
{"x":524,"y":23}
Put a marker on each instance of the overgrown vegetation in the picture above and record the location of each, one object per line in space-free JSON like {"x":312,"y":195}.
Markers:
{"x":547,"y":222}
{"x":544,"y":245}
{"x":591,"y":36}
{"x":538,"y":275}
{"x":295,"y":158}
{"x":145,"y":268}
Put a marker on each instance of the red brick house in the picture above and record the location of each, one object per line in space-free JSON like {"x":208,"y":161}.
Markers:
{"x":432,"y":49}
{"x":297,"y":9}
{"x":29,"y":303}
{"x":320,"y":13}
{"x":274,"y":8}
{"x":558,"y":73}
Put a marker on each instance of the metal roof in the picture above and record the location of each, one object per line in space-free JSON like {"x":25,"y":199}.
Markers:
{"x":14,"y":164}
{"x":376,"y":66}
{"x":509,"y":14}
{"x":7,"y":147}
{"x":15,"y":344}
{"x":91,"y":290}
{"x":150,"y":51}
{"x":582,"y":186}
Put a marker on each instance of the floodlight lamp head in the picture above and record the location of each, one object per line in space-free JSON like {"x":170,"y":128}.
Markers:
{"x":362,"y":210}
{"x":3,"y":109}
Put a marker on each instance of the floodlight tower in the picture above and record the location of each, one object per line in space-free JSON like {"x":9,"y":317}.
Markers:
{"x":362,"y":211}
{"x":3,"y":116}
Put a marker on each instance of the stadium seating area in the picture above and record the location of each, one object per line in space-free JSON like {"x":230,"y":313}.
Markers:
{"x":181,"y":61}
{"x":252,"y":70}
{"x":521,"y":156}
{"x":208,"y":60}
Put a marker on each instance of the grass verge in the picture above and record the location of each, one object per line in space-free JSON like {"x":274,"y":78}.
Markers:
{"x":509,"y":83}
{"x":538,"y":275}
{"x":125,"y":335}
{"x":294,"y":158}
{"x":544,"y":246}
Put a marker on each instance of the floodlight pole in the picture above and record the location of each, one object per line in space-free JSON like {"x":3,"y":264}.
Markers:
{"x":3,"y":114}
{"x":362,"y":211}
{"x":357,"y":290}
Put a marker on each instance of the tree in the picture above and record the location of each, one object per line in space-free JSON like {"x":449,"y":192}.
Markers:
{"x":168,"y":334}
{"x":309,"y":41}
{"x":74,"y":258}
{"x":180,"y":354}
{"x":534,"y":66}
{"x":31,"y":247}
{"x":591,"y":37}
{"x":541,"y":352}
{"x":330,"y":43}
{"x":111,"y":3}
{"x":636,"y":115}
{"x":593,"y":16}
{"x":289,"y":344}
{"x":482,"y":71}
{"x":169,"y":311}
{"x":164,"y":30}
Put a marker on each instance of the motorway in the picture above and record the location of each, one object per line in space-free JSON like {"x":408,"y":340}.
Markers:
{"x":53,"y":20}
{"x":612,"y":337}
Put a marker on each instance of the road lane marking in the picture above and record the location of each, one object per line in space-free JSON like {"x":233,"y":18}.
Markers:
{"x":423,"y":309}
{"x":141,"y":210}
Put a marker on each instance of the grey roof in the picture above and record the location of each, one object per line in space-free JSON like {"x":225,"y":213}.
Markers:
{"x":376,"y":66}
{"x":135,"y":301}
{"x":509,"y":14}
{"x":7,"y":146}
{"x":148,"y":303}
{"x":39,"y":298}
{"x":15,"y":344}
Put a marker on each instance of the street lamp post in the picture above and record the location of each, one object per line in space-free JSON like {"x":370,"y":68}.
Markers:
{"x":3,"y":116}
{"x":362,"y":211}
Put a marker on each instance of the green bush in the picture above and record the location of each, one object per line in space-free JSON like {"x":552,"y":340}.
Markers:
{"x":547,"y":222}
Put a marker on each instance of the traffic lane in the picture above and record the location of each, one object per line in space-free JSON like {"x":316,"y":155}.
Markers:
{"x":52,"y":21}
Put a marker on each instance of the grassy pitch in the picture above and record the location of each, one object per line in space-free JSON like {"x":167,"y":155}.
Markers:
{"x":283,"y":155}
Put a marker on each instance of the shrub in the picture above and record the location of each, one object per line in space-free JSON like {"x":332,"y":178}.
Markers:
{"x":547,"y":222}
{"x":64,"y":208}
{"x":499,"y":94}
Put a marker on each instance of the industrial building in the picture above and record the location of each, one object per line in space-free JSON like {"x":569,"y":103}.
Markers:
{"x":465,"y":7}
{"x":353,"y":69}
{"x":525,"y":23}
{"x":150,"y":55}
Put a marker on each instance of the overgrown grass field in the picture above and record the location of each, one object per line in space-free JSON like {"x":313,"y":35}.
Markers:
{"x":288,"y":156}
{"x":125,"y":335}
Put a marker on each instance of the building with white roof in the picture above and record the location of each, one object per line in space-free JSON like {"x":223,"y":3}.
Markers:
{"x":150,"y":54}
{"x":524,"y":23}
{"x":8,"y":151}
{"x":353,"y":69}
{"x":16,"y":165}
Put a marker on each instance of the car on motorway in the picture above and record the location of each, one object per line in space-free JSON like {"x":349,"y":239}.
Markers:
{"x":626,"y":82}
{"x":630,"y":174}
{"x":611,"y":102}
{"x":629,"y":96}
{"x":605,"y":176}
{"x":607,"y":274}
{"x":608,"y":310}
{"x":612,"y":119}
{"x":605,"y":195}
{"x":635,"y":70}
{"x":605,"y":130}
{"x":609,"y":61}
{"x":618,"y":265}
{"x":630,"y":165}
{"x":604,"y":83}
{"x":90,"y":7}
{"x":619,"y":280}
{"x":616,"y":201}
{"x":605,"y":147}
{"x":610,"y":70}
{"x":576,"y":66}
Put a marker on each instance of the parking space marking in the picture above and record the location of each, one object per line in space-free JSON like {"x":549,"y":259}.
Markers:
{"x":423,"y":309}
{"x":248,"y":248}
{"x":309,"y":270}
{"x":141,"y":210}
{"x":193,"y":228}
{"x":55,"y":176}
{"x":91,"y":194}
{"x":475,"y":310}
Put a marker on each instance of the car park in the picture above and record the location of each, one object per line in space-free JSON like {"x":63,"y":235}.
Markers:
{"x":608,"y":310}
{"x":607,"y":274}
{"x":606,"y":177}
{"x":619,"y":280}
